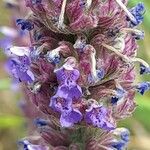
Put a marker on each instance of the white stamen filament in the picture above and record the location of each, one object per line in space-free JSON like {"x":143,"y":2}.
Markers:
{"x":93,"y":62}
{"x":62,"y":13}
{"x":88,"y":4}
{"x":103,"y":147}
{"x":129,"y":60}
{"x":36,"y":137}
{"x":141,"y":61}
{"x":116,"y":51}
{"x":126,"y":10}
{"x":131,"y":30}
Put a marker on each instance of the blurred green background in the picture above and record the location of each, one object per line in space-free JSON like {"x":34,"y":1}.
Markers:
{"x":12,"y":124}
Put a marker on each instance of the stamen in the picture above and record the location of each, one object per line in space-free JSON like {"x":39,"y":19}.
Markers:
{"x":62,"y":13}
{"x":141,"y":61}
{"x":131,"y":30}
{"x":129,"y":60}
{"x":116,"y":52}
{"x":88,"y":4}
{"x":126,"y":10}
{"x":93,"y":62}
{"x":102,"y":147}
{"x":137,"y":34}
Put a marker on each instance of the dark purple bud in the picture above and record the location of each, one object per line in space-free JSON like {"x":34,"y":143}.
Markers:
{"x":144,"y":69}
{"x":139,"y":36}
{"x":143,"y":87}
{"x":25,"y":24}
{"x":118,"y":96}
{"x":137,"y":12}
{"x":39,"y":122}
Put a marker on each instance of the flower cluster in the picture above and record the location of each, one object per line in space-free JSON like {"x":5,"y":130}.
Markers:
{"x":79,"y":70}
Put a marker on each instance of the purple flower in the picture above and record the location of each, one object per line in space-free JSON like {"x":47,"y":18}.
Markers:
{"x":69,"y":115}
{"x":72,"y":90}
{"x":19,"y":69}
{"x":19,"y":64}
{"x":67,"y":92}
{"x":98,"y":117}
{"x":26,"y":145}
{"x":143,"y":87}
{"x":61,"y":103}
{"x":68,"y":119}
{"x":64,"y":75}
{"x":68,"y":86}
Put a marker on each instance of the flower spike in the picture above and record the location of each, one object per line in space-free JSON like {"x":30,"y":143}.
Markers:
{"x":76,"y":68}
